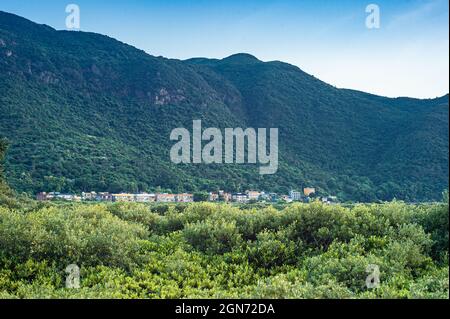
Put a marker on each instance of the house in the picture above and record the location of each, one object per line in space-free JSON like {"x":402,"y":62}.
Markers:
{"x":67,"y":197}
{"x":239,"y":197}
{"x":286,"y":198}
{"x":253,"y":195}
{"x":166,"y":198}
{"x":308,"y":191}
{"x":213,"y":197}
{"x":123,"y":197}
{"x":274,"y":197}
{"x":53,"y":195}
{"x":265,"y":197}
{"x":185,"y":198}
{"x":295,"y":195}
{"x":103,"y":197}
{"x":56,"y":195}
{"x":223,"y":196}
{"x":333,"y":199}
{"x":329,"y":199}
{"x":145,"y":198}
{"x":89,"y":196}
{"x":220,"y":196}
{"x":42,"y":196}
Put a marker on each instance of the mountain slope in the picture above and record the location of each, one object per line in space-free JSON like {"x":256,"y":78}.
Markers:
{"x":83,"y":111}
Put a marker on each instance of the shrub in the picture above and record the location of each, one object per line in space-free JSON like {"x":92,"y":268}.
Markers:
{"x":84,"y":234}
{"x":214,"y":237}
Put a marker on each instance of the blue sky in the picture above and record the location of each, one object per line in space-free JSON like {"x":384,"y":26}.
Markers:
{"x":407,"y":56}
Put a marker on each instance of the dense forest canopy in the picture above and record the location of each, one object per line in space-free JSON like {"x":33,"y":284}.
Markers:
{"x":206,"y":250}
{"x":3,"y":186}
{"x":84,"y":112}
{"x":2,"y":155}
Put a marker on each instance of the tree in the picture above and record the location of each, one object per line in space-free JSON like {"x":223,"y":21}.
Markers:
{"x":3,"y":148}
{"x":5,"y":191}
{"x":201,"y":197}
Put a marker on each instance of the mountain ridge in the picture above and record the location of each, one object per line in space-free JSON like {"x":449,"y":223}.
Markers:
{"x":94,"y":113}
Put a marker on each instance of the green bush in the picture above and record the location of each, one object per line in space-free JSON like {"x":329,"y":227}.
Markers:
{"x":204,"y":250}
{"x":84,"y":234}
{"x":215,"y":237}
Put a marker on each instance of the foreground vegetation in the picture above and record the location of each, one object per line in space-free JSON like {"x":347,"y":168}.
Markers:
{"x":219,"y":251}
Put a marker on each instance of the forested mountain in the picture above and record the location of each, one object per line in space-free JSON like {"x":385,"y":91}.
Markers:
{"x":3,"y":146}
{"x":83,"y":111}
{"x":5,"y":192}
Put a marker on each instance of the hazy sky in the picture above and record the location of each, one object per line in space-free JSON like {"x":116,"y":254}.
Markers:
{"x":407,"y":56}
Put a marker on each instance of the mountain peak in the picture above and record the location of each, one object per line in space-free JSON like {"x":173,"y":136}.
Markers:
{"x":241,"y":58}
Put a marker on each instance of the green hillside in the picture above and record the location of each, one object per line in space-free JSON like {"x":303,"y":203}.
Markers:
{"x":82,"y":111}
{"x":206,"y":250}
{"x":2,"y":154}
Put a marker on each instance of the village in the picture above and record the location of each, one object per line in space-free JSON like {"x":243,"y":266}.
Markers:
{"x":249,"y":196}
